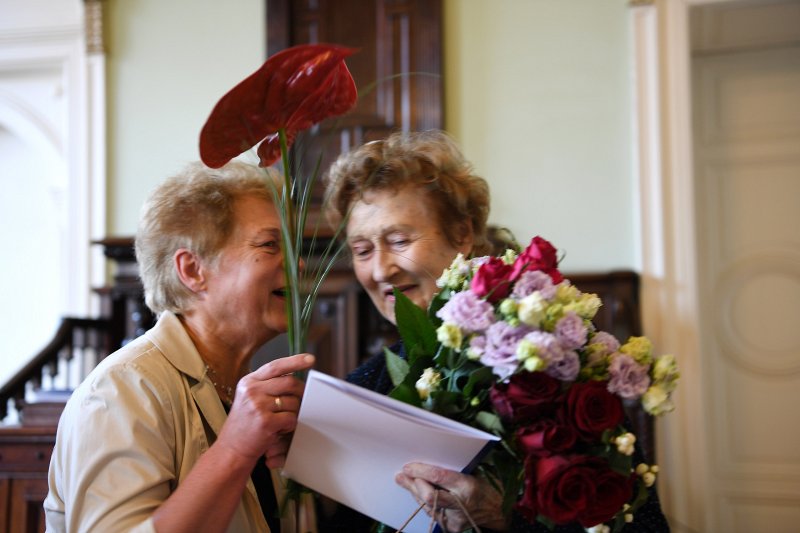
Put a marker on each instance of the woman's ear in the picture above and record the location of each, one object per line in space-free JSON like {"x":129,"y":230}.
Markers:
{"x":190,"y":270}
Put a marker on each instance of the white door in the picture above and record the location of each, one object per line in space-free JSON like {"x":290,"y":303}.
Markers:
{"x":745,"y":94}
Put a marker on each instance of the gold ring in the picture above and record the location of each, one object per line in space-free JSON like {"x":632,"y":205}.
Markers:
{"x":278,"y":403}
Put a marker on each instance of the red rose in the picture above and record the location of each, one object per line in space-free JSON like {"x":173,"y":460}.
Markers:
{"x":526,"y":396}
{"x":539,"y":255}
{"x":613,"y":490}
{"x":546,"y":437}
{"x":591,"y":409}
{"x":573,"y":488}
{"x":492,"y":280}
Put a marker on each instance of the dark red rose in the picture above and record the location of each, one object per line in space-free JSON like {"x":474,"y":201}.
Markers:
{"x":293,"y":90}
{"x":591,"y":409}
{"x":546,"y":437}
{"x":492,"y":280}
{"x":571,"y":488}
{"x":613,"y":490}
{"x":525,"y":396}
{"x":565,"y":486}
{"x":539,"y":255}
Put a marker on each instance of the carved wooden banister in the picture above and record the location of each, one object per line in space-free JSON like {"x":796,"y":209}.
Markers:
{"x":72,"y":334}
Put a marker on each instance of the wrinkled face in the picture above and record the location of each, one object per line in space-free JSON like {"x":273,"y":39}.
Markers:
{"x":396,"y":241}
{"x":245,"y":288}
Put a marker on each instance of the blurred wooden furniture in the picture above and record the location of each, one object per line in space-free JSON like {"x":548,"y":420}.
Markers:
{"x":24,"y":459}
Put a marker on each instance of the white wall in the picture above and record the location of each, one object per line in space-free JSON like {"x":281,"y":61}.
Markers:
{"x":537,"y":92}
{"x":168,"y":64}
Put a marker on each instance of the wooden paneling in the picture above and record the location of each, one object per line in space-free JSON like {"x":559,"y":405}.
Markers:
{"x":397,"y":68}
{"x":24,"y":460}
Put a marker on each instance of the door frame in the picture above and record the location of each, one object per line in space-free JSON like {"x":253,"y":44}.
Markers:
{"x":668,"y":248}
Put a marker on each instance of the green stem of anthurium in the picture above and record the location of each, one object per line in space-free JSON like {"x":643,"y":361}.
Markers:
{"x":292,"y":248}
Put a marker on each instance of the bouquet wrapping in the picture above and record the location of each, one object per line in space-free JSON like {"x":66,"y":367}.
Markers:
{"x":508,"y":345}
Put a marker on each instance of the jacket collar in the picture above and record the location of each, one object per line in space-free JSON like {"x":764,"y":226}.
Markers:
{"x":172,"y":339}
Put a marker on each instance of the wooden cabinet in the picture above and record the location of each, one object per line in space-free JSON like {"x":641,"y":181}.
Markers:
{"x":24,"y":460}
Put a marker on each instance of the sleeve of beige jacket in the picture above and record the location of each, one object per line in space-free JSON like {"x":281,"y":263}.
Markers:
{"x":115,"y":457}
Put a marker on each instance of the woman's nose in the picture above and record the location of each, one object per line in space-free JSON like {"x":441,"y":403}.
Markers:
{"x":384,"y":265}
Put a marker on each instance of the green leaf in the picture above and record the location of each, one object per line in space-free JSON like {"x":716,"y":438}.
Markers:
{"x":447,"y":403}
{"x":396,"y":366}
{"x":415,"y":328}
{"x":482,"y":376}
{"x":620,"y":463}
{"x":406,"y":393}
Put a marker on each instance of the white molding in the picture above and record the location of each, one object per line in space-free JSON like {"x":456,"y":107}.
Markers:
{"x":81,"y":145}
{"x":670,"y":308}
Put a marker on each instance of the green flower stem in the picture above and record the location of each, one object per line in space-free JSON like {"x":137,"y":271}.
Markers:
{"x":292,"y":247}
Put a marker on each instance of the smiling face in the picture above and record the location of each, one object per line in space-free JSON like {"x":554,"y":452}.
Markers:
{"x":397,"y":242}
{"x":245,"y":286}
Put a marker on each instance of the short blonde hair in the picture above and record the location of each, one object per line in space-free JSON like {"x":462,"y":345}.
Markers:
{"x":430,"y":160}
{"x":193,"y":210}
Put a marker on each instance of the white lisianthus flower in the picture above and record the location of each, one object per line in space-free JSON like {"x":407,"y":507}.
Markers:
{"x":640,"y":348}
{"x":508,"y":307}
{"x":454,"y":276}
{"x":625,"y":443}
{"x":525,"y":350}
{"x":567,"y":292}
{"x":656,"y":401}
{"x":531,"y":309}
{"x":509,"y":257}
{"x":586,"y":306}
{"x":665,"y":372}
{"x":428,"y":382}
{"x":450,"y":336}
{"x":534,"y":364}
{"x":473,"y":354}
{"x":599,"y":528}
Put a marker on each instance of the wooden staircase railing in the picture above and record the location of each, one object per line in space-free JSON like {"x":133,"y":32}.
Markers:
{"x":78,"y":345}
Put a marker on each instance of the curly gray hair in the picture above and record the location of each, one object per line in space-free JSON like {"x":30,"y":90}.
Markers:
{"x":430,"y":160}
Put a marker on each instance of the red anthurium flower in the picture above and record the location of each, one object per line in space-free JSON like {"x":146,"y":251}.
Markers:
{"x":293,"y":90}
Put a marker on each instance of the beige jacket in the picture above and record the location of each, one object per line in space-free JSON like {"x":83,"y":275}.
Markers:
{"x":132,"y":431}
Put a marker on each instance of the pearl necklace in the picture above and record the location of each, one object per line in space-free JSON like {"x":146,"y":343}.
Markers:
{"x":222,"y":389}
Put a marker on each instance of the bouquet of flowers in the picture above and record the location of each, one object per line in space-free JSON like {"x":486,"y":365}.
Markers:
{"x":508,"y":345}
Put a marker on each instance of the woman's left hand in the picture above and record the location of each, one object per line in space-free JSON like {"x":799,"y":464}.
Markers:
{"x":481,"y":500}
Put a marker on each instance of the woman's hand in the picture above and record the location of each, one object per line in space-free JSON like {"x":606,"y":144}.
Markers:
{"x":264,"y":411}
{"x":483,"y":502}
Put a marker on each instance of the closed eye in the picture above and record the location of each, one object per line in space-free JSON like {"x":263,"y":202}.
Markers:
{"x":361,"y":252}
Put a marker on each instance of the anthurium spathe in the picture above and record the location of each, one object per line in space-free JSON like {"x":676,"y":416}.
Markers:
{"x":293,"y":90}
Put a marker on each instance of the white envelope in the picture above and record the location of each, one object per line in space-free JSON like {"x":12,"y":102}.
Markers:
{"x":350,"y":442}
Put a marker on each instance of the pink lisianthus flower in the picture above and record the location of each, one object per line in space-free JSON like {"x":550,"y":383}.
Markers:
{"x":500,"y":351}
{"x":628,"y":379}
{"x":531,"y":281}
{"x":571,"y":331}
{"x":467,"y":311}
